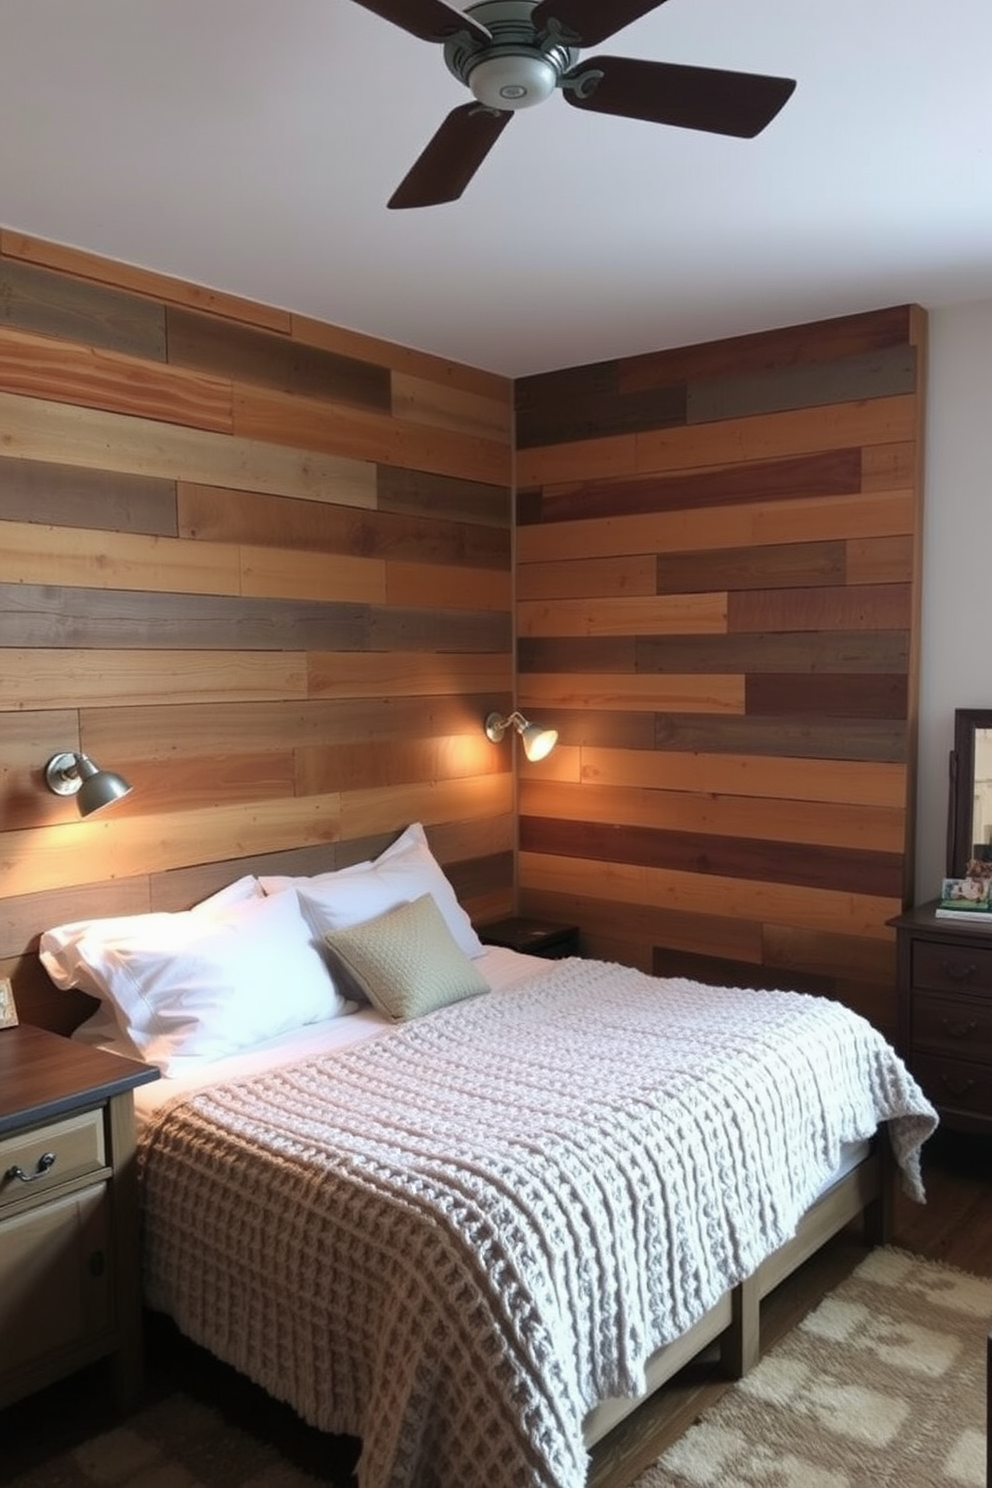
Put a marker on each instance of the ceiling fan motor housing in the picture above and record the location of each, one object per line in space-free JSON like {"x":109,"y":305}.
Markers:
{"x":518,"y":68}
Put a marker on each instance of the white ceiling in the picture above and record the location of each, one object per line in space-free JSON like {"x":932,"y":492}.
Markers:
{"x":251,"y":145}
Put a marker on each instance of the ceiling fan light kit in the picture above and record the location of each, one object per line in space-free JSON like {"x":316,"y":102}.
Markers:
{"x":513,"y":54}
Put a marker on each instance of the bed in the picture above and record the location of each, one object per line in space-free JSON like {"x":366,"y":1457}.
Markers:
{"x":477,"y":1213}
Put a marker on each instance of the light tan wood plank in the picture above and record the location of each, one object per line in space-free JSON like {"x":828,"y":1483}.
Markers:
{"x":629,"y":574}
{"x":63,"y":371}
{"x":810,"y":519}
{"x":141,"y":281}
{"x":725,"y":442}
{"x":312,"y":423}
{"x":848,"y":782}
{"x":405,"y":359}
{"x":779,"y":904}
{"x":27,"y":742}
{"x":289,"y":573}
{"x":380,"y":810}
{"x":881,"y":560}
{"x":405,"y":673}
{"x":37,"y":429}
{"x":368,"y":763}
{"x":866,"y":828}
{"x":563,"y":763}
{"x":59,"y":679}
{"x":31,"y":553}
{"x":421,"y":401}
{"x":110,"y":847}
{"x":662,"y":614}
{"x":660,"y":693}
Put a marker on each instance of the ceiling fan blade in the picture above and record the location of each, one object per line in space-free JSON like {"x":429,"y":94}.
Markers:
{"x":452,"y":158}
{"x":431,"y":20}
{"x":588,"y":22}
{"x":737,"y":103}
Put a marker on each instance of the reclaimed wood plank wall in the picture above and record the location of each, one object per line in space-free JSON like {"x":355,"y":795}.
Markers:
{"x":260,"y":566}
{"x":717,"y":595}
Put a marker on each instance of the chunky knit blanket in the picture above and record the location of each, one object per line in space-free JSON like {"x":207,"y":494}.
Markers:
{"x":454,"y":1239}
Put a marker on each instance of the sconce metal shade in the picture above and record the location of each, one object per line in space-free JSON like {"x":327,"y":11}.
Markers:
{"x":538,"y":742}
{"x":77,"y":775}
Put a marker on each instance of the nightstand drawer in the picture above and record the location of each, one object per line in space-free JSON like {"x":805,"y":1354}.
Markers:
{"x":50,"y":1155}
{"x":955,"y":1084}
{"x":954,"y":1026}
{"x":952,"y":968}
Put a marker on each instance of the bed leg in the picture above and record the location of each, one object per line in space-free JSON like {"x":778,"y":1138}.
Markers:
{"x":740,"y":1347}
{"x":878,"y":1215}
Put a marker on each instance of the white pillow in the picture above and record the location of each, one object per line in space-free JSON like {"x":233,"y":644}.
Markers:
{"x":59,"y":950}
{"x":204,"y":986}
{"x":402,"y":873}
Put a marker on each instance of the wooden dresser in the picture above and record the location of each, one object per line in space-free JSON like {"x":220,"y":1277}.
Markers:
{"x":944,"y":972}
{"x":69,"y":1270}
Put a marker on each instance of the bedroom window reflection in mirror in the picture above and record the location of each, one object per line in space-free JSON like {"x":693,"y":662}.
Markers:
{"x":970,"y":808}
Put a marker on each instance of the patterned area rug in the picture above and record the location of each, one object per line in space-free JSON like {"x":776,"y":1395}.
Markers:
{"x":882,"y":1386}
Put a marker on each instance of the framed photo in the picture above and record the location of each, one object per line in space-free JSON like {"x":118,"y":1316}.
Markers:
{"x":8,"y":1011}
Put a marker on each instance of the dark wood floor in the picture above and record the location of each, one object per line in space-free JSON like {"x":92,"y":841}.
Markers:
{"x":954,"y":1226}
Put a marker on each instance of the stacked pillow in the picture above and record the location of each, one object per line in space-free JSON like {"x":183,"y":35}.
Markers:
{"x":263,"y":957}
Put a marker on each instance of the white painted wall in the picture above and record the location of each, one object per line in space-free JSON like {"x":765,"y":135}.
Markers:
{"x":956,"y":636}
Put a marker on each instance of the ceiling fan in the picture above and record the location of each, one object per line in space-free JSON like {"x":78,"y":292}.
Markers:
{"x":512,"y":54}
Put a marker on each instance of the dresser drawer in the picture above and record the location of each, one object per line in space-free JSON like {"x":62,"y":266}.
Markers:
{"x":945,"y":967}
{"x":955,"y":1084}
{"x":76,"y":1144}
{"x":953,"y":1025}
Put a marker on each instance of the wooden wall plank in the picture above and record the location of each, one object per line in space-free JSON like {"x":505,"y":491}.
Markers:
{"x":405,"y":674}
{"x":77,"y":556}
{"x":59,"y":370}
{"x":853,"y":783}
{"x":696,"y":694}
{"x":647,"y":615}
{"x":403,"y":359}
{"x":422,"y":401}
{"x":37,"y":429}
{"x":63,"y":495}
{"x":422,"y":493}
{"x":35,"y":299}
{"x":56,"y":679}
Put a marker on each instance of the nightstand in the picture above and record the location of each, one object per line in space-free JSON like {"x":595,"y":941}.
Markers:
{"x":544,"y":938}
{"x":70,"y":1278}
{"x":944,"y":970}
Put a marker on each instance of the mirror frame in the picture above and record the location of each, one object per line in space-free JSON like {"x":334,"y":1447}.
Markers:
{"x":962,"y":787}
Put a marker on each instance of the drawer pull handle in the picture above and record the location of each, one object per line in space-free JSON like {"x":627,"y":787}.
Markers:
{"x":45,"y":1162}
{"x":959,"y":1029}
{"x":956,"y":1087}
{"x":959,"y":973}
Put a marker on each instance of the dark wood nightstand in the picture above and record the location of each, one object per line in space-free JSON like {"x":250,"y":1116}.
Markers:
{"x":533,"y":937}
{"x":944,"y":970}
{"x":70,"y":1278}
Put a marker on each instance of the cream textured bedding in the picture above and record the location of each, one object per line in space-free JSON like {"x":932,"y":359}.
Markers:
{"x":455,"y":1238}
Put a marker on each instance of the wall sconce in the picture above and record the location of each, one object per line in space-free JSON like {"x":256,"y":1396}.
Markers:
{"x":77,"y":775}
{"x":538,"y":742}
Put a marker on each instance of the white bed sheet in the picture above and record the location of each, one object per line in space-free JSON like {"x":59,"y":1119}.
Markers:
{"x":501,"y":967}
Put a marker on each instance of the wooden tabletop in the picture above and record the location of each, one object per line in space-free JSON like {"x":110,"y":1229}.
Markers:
{"x":43,"y":1074}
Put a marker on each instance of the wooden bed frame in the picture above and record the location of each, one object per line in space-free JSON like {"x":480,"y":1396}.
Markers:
{"x":735,"y":1321}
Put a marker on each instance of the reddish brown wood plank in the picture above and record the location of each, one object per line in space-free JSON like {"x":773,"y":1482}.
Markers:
{"x":767,"y":652}
{"x":832,"y":473}
{"x":822,"y":695}
{"x":863,"y":606}
{"x":766,"y":351}
{"x":792,"y":565}
{"x":804,"y":865}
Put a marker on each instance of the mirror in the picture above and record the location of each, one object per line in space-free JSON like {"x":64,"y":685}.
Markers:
{"x":969,"y":824}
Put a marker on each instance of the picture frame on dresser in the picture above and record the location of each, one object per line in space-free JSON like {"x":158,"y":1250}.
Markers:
{"x":8,"y":1007}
